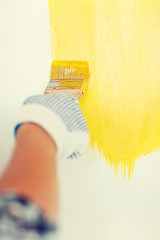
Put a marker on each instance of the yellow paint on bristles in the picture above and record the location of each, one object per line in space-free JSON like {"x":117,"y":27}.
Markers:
{"x":73,"y":74}
{"x":120,"y":40}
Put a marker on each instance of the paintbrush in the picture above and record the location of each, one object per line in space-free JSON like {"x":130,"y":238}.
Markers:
{"x":68,"y":76}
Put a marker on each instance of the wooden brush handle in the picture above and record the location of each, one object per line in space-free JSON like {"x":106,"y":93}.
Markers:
{"x":75,"y":92}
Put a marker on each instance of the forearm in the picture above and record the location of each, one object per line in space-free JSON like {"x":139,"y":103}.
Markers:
{"x":28,"y":187}
{"x":32,"y":169}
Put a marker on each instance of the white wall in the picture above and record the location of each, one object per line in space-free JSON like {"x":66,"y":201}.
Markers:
{"x":94,"y":204}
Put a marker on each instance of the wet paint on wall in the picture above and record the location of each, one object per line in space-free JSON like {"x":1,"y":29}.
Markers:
{"x":121,"y":42}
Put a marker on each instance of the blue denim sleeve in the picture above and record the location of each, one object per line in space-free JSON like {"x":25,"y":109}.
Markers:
{"x":21,"y":219}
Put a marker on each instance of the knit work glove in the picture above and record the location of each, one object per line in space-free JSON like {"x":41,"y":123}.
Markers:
{"x":60,"y":115}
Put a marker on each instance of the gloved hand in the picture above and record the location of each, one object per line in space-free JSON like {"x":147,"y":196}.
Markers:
{"x":60,"y":115}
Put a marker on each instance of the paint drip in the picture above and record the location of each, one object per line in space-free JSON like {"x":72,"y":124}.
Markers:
{"x":120,"y":40}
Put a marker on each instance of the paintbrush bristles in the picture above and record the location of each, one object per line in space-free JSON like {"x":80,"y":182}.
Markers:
{"x":69,"y":75}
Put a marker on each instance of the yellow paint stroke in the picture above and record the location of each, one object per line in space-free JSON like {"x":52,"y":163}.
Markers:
{"x":121,"y":41}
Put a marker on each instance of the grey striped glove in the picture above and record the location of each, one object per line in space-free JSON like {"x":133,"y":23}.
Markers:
{"x":60,"y":115}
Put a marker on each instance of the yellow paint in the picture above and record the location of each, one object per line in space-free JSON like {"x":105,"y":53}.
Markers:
{"x":70,"y":74}
{"x":121,"y":41}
